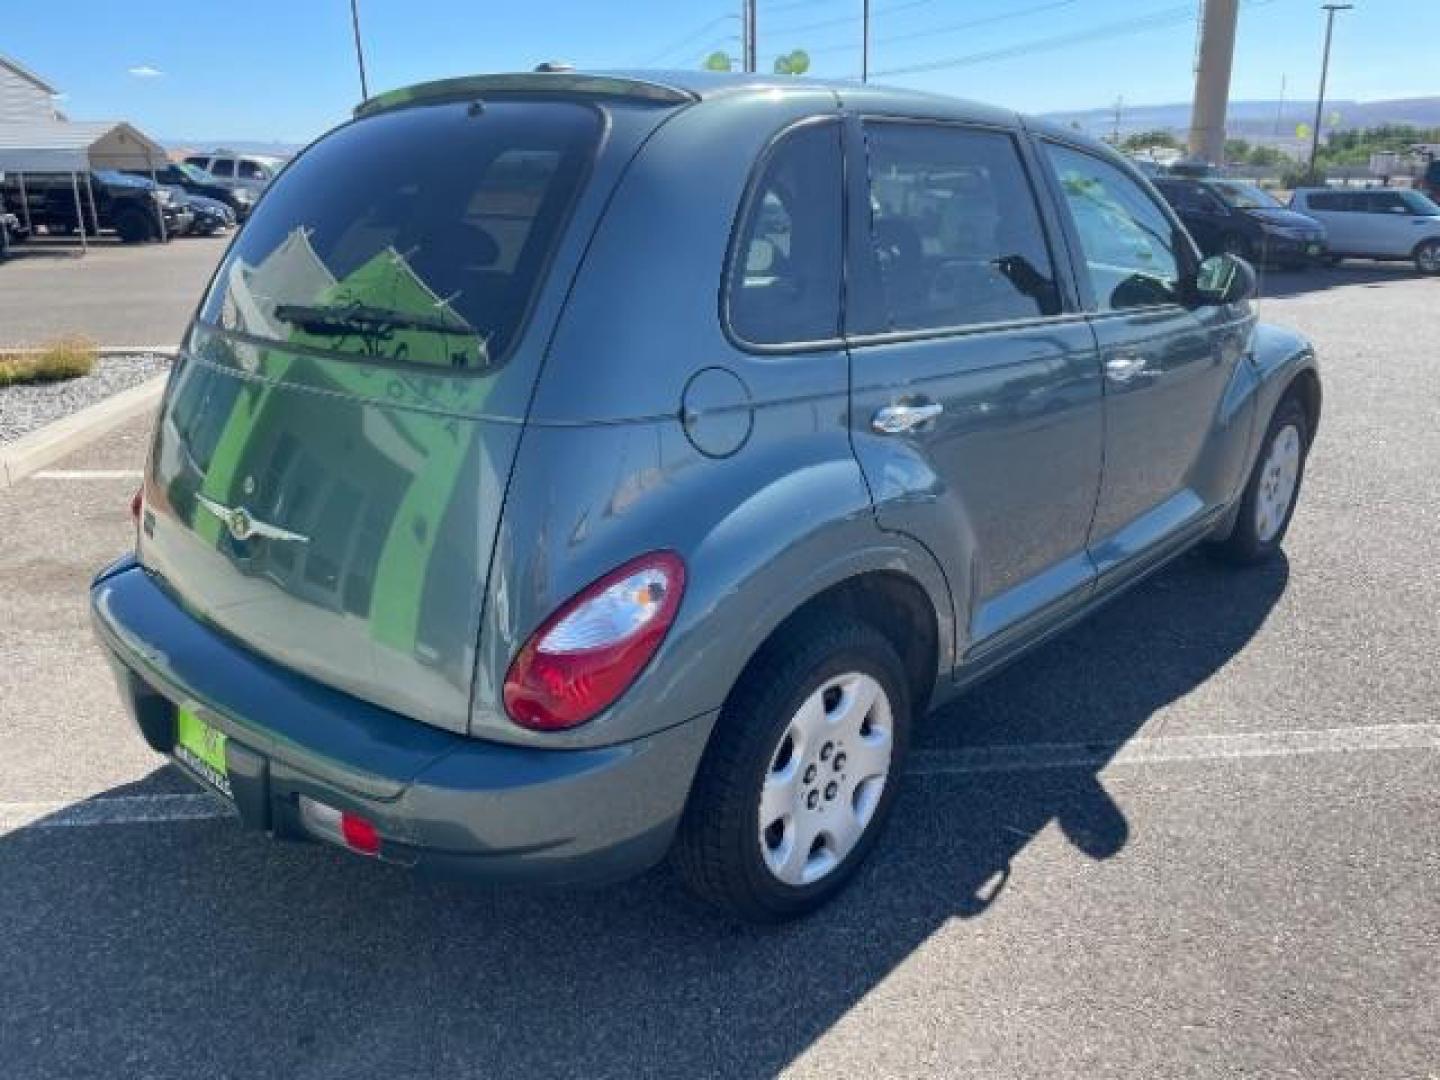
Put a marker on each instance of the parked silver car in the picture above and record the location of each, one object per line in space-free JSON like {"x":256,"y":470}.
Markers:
{"x":563,"y":470}
{"x":250,"y":173}
{"x":1396,"y":224}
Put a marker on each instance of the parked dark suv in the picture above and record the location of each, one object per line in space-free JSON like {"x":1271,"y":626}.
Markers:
{"x":197,"y":181}
{"x":562,"y":470}
{"x":1237,"y":218}
{"x":1429,"y":180}
{"x":131,"y":206}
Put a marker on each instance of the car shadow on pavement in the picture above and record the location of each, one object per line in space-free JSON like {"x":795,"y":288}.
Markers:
{"x":193,"y":949}
{"x":1278,"y":284}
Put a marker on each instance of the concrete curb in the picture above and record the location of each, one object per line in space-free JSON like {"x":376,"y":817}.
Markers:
{"x":100,"y":350}
{"x":55,"y":440}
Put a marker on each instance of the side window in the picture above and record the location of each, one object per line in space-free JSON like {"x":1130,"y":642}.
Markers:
{"x":1131,"y":250}
{"x":252,"y":170}
{"x":223,"y":167}
{"x":956,"y":231}
{"x":1385,"y":202}
{"x":784,"y":273}
{"x":1325,"y":201}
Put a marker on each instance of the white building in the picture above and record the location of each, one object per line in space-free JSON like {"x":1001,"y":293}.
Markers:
{"x":24,"y":96}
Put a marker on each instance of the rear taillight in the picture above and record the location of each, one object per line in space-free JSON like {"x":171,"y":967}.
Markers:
{"x":589,"y":651}
{"x":136,"y":502}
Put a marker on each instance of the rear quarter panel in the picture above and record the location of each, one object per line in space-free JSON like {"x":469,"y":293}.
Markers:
{"x":606,"y":470}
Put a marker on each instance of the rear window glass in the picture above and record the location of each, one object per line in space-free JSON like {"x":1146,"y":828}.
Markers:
{"x":785,"y":266}
{"x":417,"y":236}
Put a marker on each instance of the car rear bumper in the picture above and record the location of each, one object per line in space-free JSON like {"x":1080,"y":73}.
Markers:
{"x":442,"y":802}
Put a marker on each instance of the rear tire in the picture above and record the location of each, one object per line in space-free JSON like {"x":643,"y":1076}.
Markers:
{"x":813,"y":737}
{"x":1427,"y":258}
{"x":1272,"y":491}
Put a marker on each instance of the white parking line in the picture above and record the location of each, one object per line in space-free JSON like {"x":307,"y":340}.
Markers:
{"x":87,"y":474}
{"x":1176,"y":748}
{"x":153,"y":809}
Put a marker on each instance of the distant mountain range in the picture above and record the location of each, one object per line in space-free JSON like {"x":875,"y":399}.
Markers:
{"x":1259,"y":121}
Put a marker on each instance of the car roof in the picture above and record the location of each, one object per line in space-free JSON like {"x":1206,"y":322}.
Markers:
{"x":678,"y":87}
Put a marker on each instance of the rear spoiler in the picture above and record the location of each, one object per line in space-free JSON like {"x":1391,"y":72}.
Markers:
{"x":564,"y":84}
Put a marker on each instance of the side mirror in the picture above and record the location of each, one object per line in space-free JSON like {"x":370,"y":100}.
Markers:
{"x":1225,"y":279}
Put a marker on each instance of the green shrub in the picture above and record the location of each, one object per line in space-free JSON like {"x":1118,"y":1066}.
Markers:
{"x":66,"y":358}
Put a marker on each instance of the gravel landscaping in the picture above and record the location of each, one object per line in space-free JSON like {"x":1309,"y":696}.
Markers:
{"x":25,"y":408}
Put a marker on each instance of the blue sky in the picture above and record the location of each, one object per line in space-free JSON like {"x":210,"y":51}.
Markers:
{"x":285,"y":69}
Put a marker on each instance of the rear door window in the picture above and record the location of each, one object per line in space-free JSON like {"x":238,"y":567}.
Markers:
{"x":1327,"y":201}
{"x":956,"y":232}
{"x":784,"y":273}
{"x":223,"y":167}
{"x":417,"y":236}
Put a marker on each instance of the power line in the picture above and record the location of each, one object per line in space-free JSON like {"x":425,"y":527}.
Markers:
{"x":689,"y":38}
{"x":848,"y":20}
{"x":1166,"y":17}
{"x":949,"y":28}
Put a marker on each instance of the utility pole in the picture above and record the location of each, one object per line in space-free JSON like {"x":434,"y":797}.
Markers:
{"x":1330,"y":10}
{"x":1280,"y":109}
{"x":359,"y":51}
{"x":1115,"y":132}
{"x":865,"y":42}
{"x":749,"y":47}
{"x":1212,"y":80}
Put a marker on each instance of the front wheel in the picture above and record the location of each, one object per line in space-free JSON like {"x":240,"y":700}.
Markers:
{"x":1273,"y":489}
{"x":1427,"y":258}
{"x":800,"y":774}
{"x":133,"y":226}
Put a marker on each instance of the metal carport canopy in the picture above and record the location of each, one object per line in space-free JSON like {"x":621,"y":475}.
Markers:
{"x":71,"y":146}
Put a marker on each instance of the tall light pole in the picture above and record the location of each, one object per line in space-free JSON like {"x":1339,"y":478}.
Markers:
{"x":749,"y":46}
{"x":1216,"y":56}
{"x":1330,"y":10}
{"x":359,"y":52}
{"x":865,"y":42}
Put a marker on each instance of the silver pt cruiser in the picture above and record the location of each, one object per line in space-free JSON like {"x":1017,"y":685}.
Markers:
{"x":563,"y":471}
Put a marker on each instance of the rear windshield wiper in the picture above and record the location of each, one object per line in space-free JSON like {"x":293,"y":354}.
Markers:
{"x":365,"y":319}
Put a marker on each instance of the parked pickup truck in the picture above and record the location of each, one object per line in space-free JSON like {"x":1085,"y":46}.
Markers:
{"x":130,"y":206}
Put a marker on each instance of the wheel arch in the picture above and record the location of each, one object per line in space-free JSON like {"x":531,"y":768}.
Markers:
{"x":1305,"y":385}
{"x":893,"y":603}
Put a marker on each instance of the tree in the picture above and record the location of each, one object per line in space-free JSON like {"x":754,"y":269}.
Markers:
{"x":795,"y":62}
{"x":718,"y":61}
{"x":1150,"y":140}
{"x":1267,"y":157}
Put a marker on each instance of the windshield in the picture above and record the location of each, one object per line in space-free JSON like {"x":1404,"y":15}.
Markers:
{"x":1246,"y":196}
{"x":1418,"y":203}
{"x":190,"y":172}
{"x":418,"y":236}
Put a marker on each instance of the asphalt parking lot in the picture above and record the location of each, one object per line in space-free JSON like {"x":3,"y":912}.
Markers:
{"x":117,"y":294}
{"x":1196,"y":836}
